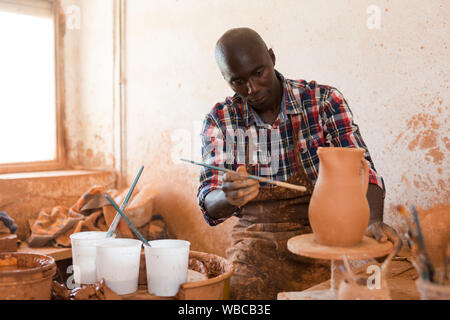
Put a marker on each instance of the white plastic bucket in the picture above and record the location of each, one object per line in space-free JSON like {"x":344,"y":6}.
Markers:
{"x":83,"y":255}
{"x":118,"y":264}
{"x":167,"y":266}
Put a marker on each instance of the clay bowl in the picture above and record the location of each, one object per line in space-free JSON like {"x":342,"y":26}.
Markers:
{"x":216,"y":287}
{"x":26,"y":276}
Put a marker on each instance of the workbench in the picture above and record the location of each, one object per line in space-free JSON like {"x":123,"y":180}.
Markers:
{"x":401,"y":281}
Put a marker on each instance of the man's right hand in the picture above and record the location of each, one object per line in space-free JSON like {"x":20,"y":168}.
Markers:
{"x":238,"y":188}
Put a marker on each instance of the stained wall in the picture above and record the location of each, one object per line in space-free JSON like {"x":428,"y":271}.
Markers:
{"x":89,"y":103}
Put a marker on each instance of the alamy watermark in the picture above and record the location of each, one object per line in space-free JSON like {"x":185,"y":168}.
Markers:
{"x":374,"y":19}
{"x":70,"y":282}
{"x":374,"y":281}
{"x":73,"y":17}
{"x":230,"y":148}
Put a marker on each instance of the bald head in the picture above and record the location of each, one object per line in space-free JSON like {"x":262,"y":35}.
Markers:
{"x":236,"y":43}
{"x":249,"y":68}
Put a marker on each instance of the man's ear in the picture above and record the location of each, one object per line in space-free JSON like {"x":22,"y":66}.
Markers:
{"x":272,"y":56}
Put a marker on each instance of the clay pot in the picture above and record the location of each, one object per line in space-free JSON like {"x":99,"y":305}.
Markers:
{"x":28,"y":278}
{"x":339,"y":211}
{"x":215,"y":287}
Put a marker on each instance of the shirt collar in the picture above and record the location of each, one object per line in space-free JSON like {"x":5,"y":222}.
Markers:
{"x":289,"y":104}
{"x":282,"y":116}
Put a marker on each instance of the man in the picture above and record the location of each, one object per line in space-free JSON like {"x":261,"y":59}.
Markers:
{"x":272,"y":127}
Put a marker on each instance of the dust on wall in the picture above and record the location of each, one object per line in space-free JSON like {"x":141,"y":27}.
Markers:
{"x":88,"y":53}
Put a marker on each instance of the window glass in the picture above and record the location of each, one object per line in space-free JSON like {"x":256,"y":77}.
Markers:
{"x":27,"y":88}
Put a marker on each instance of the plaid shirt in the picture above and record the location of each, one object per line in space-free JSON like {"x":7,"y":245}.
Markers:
{"x":320,"y":115}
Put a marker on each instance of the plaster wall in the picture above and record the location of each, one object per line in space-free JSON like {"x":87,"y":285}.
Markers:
{"x":390,"y":59}
{"x":394,"y":77}
{"x":88,"y":51}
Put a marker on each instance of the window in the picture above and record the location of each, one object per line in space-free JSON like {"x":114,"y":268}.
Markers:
{"x":30,"y":125}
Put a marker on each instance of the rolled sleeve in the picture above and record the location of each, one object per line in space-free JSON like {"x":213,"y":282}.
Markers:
{"x":342,"y":131}
{"x":204,"y":189}
{"x":210,"y":179}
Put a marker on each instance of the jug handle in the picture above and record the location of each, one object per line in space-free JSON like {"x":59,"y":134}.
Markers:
{"x":365,"y":176}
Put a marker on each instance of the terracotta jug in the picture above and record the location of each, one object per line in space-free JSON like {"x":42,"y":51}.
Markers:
{"x":339,"y":211}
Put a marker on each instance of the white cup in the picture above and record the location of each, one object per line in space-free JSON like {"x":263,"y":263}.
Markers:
{"x":118,"y":264}
{"x":167,"y":266}
{"x":83,"y":255}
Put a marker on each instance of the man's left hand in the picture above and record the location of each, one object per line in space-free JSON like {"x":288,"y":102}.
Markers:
{"x":382,"y":232}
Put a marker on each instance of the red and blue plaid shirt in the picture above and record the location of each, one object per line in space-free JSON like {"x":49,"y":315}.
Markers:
{"x":320,"y":115}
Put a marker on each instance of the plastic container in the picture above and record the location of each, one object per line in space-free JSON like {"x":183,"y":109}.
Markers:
{"x":26,"y":276}
{"x":167,"y":266}
{"x":84,"y":254}
{"x":118,"y":264}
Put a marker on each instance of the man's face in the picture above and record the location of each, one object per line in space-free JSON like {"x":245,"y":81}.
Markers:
{"x":252,"y":76}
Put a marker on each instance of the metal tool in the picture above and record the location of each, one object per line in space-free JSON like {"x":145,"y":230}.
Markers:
{"x":416,"y":243}
{"x":424,"y":257}
{"x":116,"y":220}
{"x":120,"y":212}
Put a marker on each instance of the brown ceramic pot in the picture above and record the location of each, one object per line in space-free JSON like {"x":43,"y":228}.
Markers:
{"x":29,"y":276}
{"x":339,"y":211}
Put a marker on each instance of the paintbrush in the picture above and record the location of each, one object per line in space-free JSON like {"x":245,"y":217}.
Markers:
{"x":261,"y":179}
{"x":446,"y":263}
{"x":426,"y":260}
{"x":412,"y":239}
{"x":127,"y":220}
{"x":116,"y":220}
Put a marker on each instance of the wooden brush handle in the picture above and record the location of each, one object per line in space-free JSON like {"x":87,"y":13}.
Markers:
{"x":284,"y":184}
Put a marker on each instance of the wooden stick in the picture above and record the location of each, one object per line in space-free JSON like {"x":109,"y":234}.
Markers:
{"x":275,"y":182}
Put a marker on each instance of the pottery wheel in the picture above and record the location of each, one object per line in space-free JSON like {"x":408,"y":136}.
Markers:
{"x":306,"y":245}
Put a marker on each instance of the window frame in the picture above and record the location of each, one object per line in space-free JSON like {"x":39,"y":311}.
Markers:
{"x":61,"y":159}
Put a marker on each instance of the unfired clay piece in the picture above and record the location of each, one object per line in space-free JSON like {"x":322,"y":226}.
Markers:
{"x":339,"y":210}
